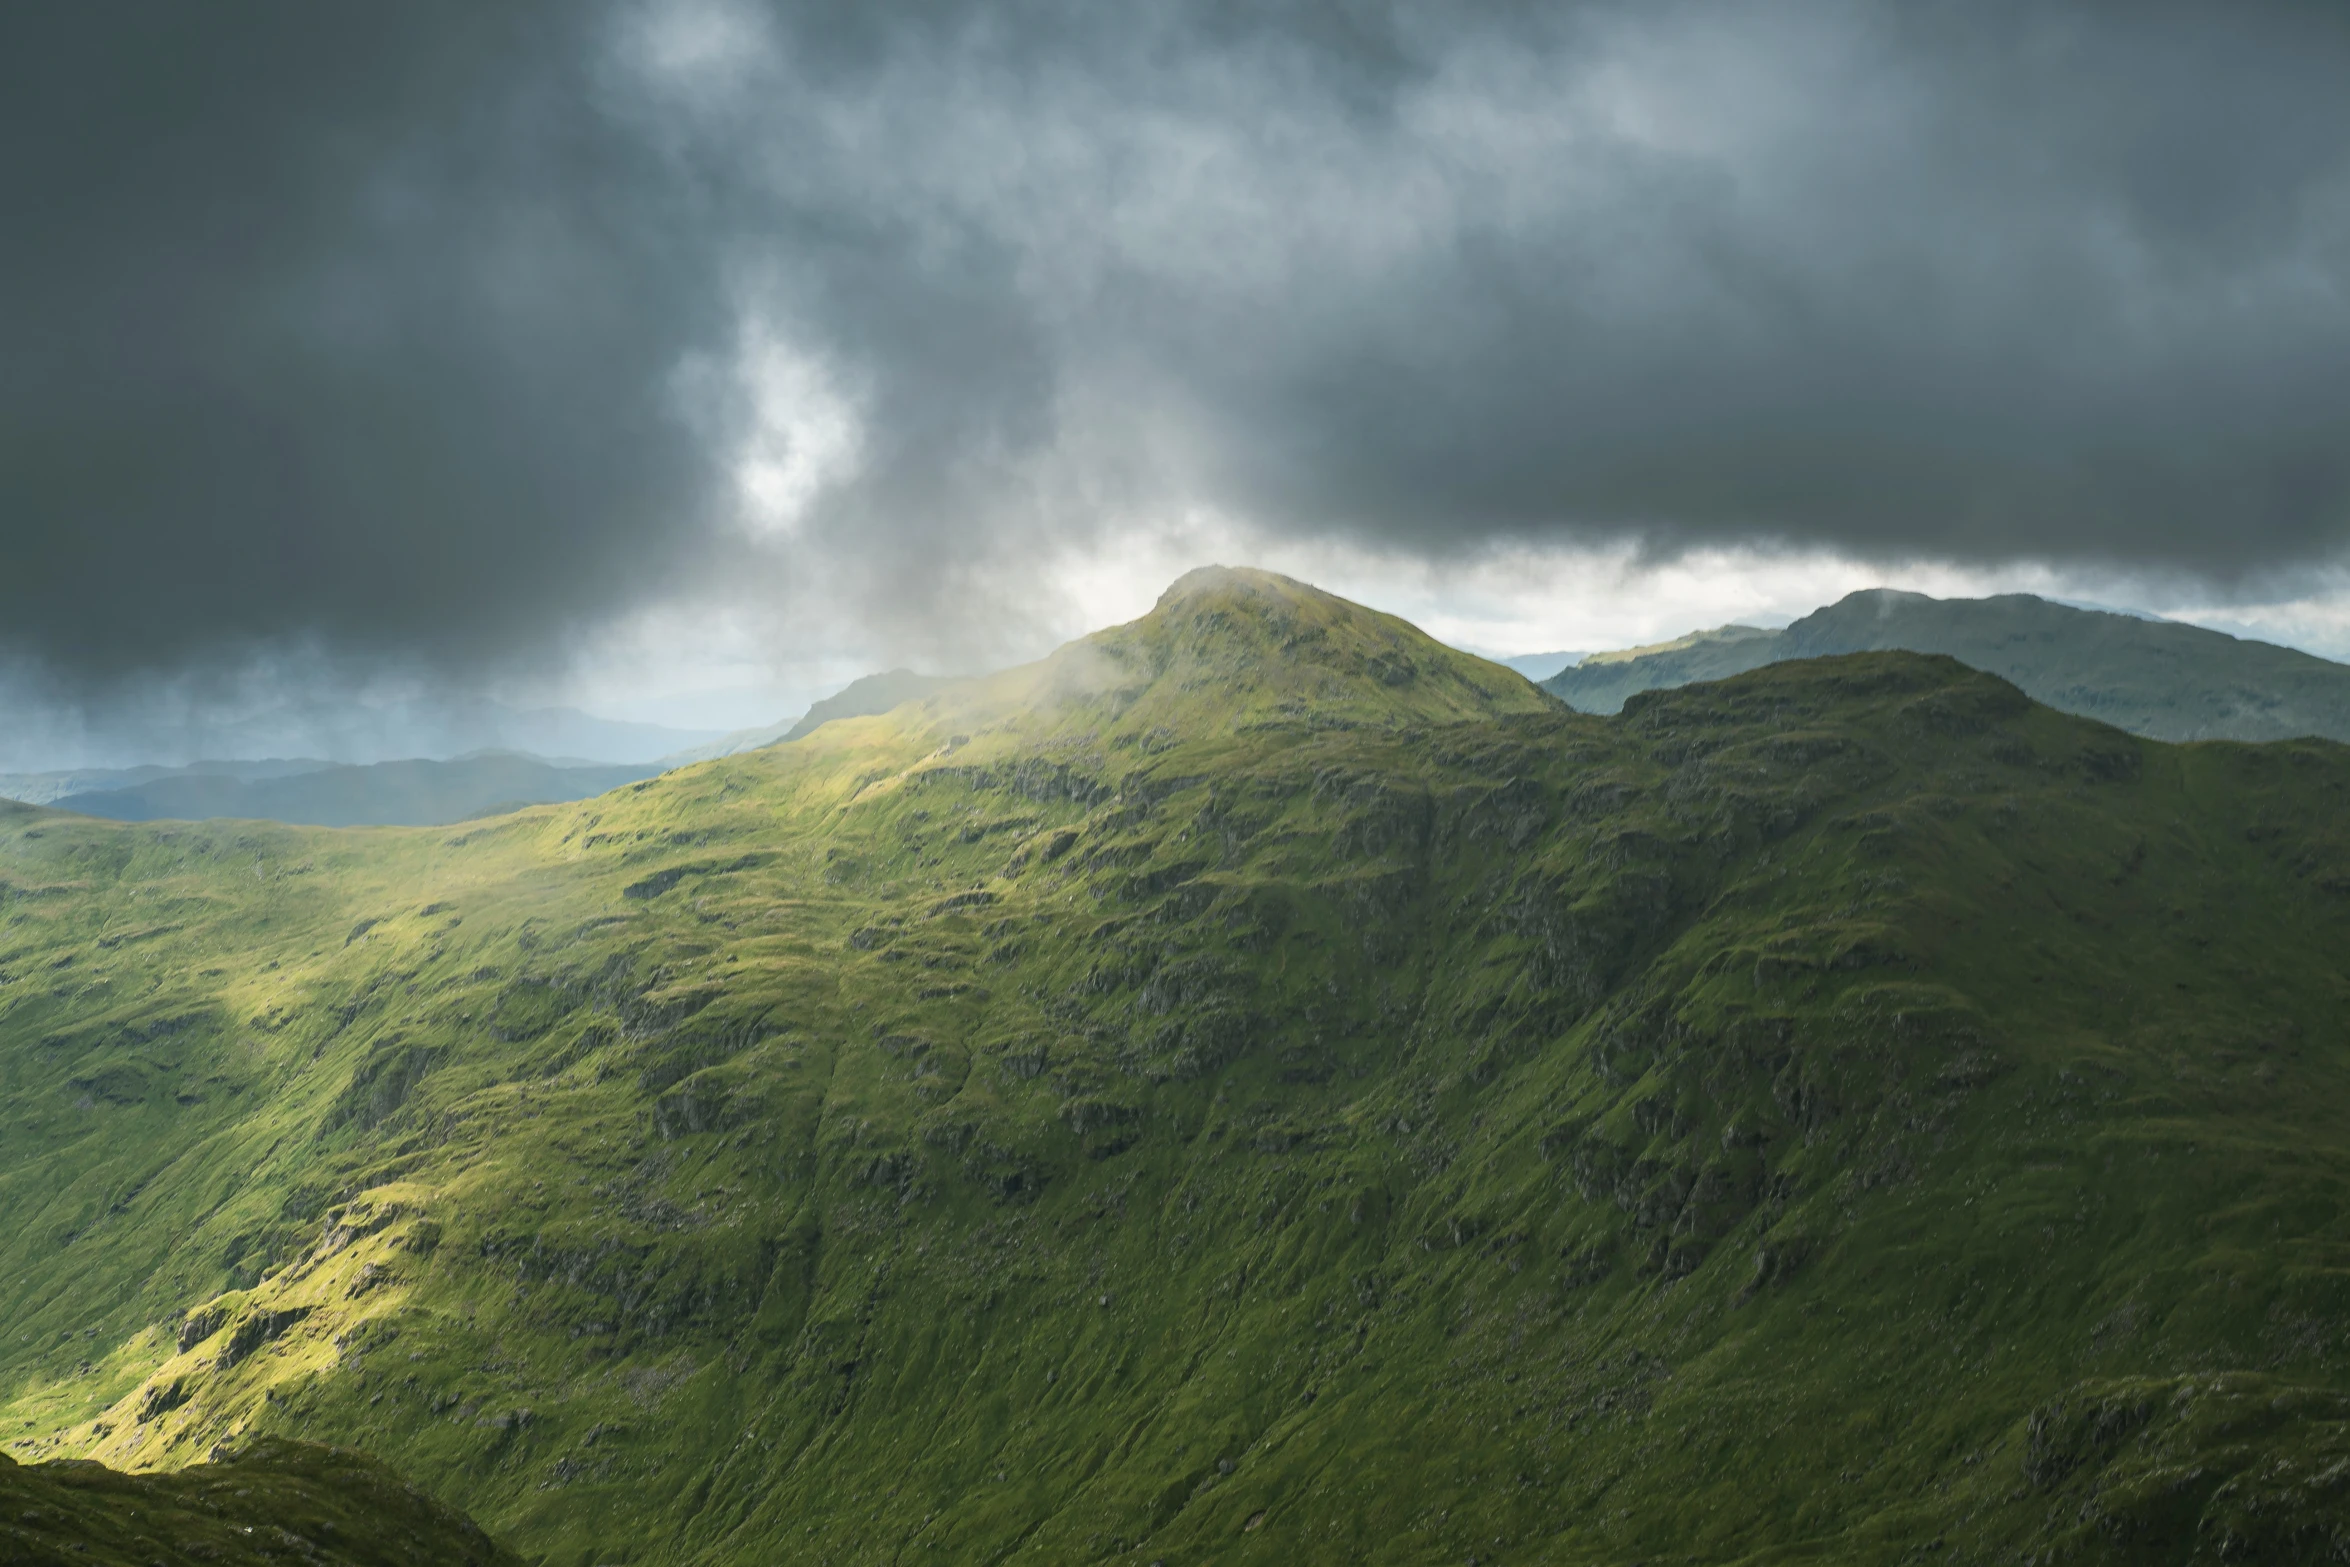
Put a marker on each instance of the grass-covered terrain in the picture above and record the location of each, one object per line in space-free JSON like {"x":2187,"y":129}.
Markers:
{"x":2158,"y":678}
{"x":277,"y":1502}
{"x":1256,"y":1087}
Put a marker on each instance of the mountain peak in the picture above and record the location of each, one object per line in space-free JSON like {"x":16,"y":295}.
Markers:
{"x":1246,"y":584}
{"x":1883,"y":602}
{"x":1247,"y":646}
{"x":1227,"y":649}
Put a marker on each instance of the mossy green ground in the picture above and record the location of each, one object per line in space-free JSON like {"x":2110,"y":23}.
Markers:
{"x":1257,"y":1087}
{"x":279,"y":1502}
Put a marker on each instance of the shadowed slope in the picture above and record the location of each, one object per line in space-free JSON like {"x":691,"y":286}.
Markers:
{"x":277,"y":1502}
{"x":1204,"y":1098}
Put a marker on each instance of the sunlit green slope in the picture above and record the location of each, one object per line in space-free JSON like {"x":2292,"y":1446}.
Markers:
{"x":1256,"y":1087}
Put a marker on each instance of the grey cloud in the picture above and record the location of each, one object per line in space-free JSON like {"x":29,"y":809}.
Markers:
{"x":370,"y":324}
{"x":331,"y":321}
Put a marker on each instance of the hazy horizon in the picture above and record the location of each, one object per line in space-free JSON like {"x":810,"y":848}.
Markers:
{"x":393,"y":722}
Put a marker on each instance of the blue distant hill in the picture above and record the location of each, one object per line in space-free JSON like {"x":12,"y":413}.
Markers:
{"x":2138,"y":672}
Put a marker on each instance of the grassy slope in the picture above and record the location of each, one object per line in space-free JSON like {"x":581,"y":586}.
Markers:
{"x":1255,"y":1087}
{"x":2156,"y":678}
{"x":863,"y":697}
{"x":278,"y":1502}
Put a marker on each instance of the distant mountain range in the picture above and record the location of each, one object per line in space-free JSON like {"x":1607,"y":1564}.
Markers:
{"x":326,"y":794}
{"x":565,"y":733}
{"x":2152,"y":677}
{"x":359,"y":732}
{"x":50,"y":787}
{"x":420,"y":791}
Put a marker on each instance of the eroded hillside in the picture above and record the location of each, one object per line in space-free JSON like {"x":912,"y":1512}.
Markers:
{"x":1257,"y":1086}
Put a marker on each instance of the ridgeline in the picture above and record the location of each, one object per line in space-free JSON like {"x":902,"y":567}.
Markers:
{"x":1257,"y":1086}
{"x":2158,"y":678}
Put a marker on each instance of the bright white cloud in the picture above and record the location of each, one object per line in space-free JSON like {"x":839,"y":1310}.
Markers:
{"x":805,"y":435}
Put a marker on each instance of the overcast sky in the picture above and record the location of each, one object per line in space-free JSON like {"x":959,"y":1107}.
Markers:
{"x":615,"y":350}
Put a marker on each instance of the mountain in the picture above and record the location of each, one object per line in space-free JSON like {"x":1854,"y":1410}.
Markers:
{"x":1256,"y":1086}
{"x":2152,"y":677}
{"x":538,"y":731}
{"x":276,"y":1502}
{"x":866,"y":697}
{"x":860,"y":698}
{"x":1601,"y":681}
{"x":46,"y":788}
{"x":357,"y":733}
{"x":411,"y":793}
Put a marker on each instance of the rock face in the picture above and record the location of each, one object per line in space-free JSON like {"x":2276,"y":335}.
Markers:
{"x":273,"y":1502}
{"x":2152,"y":677}
{"x":1255,"y":1086}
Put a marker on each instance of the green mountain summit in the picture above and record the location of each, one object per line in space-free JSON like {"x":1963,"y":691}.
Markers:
{"x":1255,"y":1086}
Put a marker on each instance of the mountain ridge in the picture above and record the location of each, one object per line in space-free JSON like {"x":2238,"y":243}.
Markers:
{"x":860,"y":698}
{"x":413,"y":792}
{"x":2160,"y":678}
{"x":1253,"y":1085}
{"x":359,"y":733}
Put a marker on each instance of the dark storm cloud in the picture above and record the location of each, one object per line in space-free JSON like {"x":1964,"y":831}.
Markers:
{"x":1970,"y":281}
{"x":344,"y":322}
{"x":452,"y":327}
